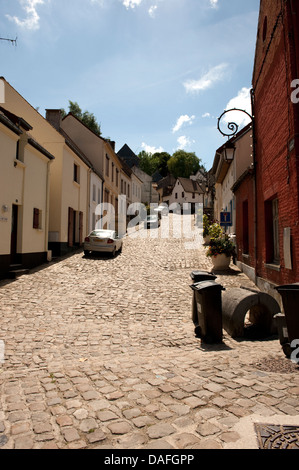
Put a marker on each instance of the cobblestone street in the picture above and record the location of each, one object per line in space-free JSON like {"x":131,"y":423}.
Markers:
{"x":100,"y":352}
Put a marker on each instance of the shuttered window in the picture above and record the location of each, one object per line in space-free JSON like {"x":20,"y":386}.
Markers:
{"x":37,"y":219}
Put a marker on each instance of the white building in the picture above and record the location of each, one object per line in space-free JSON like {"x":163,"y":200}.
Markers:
{"x":187,"y":191}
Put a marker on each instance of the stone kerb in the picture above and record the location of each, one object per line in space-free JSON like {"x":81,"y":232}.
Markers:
{"x":237,"y":302}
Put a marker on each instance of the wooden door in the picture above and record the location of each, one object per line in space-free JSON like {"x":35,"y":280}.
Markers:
{"x":80,"y":228}
{"x":71,"y":227}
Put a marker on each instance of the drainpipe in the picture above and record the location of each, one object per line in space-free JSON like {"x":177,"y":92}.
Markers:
{"x":47,"y":211}
{"x":255,"y":182}
{"x":88,"y":201}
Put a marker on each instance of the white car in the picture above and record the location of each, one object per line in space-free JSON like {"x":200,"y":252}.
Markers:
{"x":162,"y":209}
{"x":105,"y":241}
{"x":152,"y":221}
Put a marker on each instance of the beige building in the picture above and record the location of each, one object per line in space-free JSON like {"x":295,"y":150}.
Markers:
{"x":227,"y":172}
{"x":69,"y":175}
{"x":116,"y":175}
{"x":24,"y":196}
{"x":136,"y":188}
{"x":149,"y":194}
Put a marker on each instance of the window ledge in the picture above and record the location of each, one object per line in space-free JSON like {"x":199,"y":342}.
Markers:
{"x":275,"y":267}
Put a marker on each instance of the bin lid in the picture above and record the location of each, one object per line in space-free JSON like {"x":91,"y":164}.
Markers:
{"x":199,"y":286}
{"x":288,"y":287}
{"x":195,"y":274}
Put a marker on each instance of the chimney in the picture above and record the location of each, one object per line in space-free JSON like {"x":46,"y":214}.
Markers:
{"x":53,"y":116}
{"x":112,"y":143}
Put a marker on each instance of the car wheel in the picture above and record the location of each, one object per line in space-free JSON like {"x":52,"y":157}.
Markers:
{"x":121,"y":249}
{"x":114,"y":252}
{"x":86,"y":253}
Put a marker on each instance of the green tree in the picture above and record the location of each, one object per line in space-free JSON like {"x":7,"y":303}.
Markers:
{"x":159,"y":162}
{"x":150,"y":163}
{"x":145,"y":159}
{"x":183,"y":164}
{"x":86,"y":117}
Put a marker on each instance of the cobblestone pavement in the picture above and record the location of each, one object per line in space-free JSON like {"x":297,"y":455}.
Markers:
{"x":101,"y":353}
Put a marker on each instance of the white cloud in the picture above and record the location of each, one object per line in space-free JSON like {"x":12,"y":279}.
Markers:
{"x":31,"y":22}
{"x":152,"y":11}
{"x":206,"y":115}
{"x":184,"y":142}
{"x":150,"y":149}
{"x":241,"y":101}
{"x":214,"y":75}
{"x":214,"y":3}
{"x":131,"y":3}
{"x":184,"y":119}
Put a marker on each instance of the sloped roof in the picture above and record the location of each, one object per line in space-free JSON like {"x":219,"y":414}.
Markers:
{"x":16,"y":120}
{"x":127,"y":155}
{"x":190,"y":186}
{"x":168,"y":181}
{"x":14,"y":123}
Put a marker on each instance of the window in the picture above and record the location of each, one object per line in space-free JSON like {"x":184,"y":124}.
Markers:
{"x":116,"y":177}
{"x":183,"y":194}
{"x":276,"y":251}
{"x":128,"y":190}
{"x":112,"y":172}
{"x":99,"y":196}
{"x":193,"y":195}
{"x":272,"y":231}
{"x":76,"y":173}
{"x":37,"y":219}
{"x":176,"y":195}
{"x":107,"y":165}
{"x":94,"y":193}
{"x":18,"y":151}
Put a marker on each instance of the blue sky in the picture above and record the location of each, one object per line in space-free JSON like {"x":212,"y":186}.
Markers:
{"x":155,"y":73}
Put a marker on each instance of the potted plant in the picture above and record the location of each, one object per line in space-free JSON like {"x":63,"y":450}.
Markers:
{"x":221,"y":250}
{"x":206,"y":227}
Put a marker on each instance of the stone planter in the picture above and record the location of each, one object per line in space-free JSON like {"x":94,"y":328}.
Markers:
{"x":221,"y":262}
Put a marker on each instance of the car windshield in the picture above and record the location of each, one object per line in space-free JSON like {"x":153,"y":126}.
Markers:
{"x":102,"y":234}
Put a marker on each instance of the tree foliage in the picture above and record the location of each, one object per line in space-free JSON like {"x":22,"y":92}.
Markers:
{"x":152,"y":163}
{"x":86,"y":117}
{"x":181,"y":164}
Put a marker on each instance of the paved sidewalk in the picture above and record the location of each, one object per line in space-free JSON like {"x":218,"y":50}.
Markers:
{"x":101,"y":353}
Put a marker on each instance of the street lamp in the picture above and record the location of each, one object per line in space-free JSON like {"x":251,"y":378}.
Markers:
{"x":229,"y":151}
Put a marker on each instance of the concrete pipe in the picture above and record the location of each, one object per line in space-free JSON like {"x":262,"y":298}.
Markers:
{"x":262,"y":308}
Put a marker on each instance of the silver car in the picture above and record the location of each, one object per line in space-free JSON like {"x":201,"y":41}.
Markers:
{"x":105,"y":241}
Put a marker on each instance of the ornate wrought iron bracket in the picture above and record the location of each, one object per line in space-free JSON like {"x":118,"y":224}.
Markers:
{"x":232,"y":126}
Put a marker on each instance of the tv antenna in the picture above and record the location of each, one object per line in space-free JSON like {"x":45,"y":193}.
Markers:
{"x":12,"y":41}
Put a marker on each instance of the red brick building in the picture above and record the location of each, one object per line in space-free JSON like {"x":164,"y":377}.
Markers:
{"x":271,"y":195}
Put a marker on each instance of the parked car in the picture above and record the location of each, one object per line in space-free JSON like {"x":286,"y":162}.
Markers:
{"x":106,"y":241}
{"x":152,"y":221}
{"x":162,"y":209}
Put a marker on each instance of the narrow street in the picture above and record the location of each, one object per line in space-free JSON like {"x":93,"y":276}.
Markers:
{"x":101,"y":353}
